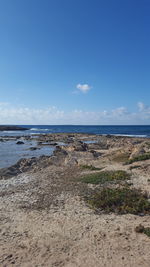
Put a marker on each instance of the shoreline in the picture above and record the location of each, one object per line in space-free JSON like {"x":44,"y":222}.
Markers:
{"x":43,"y":144}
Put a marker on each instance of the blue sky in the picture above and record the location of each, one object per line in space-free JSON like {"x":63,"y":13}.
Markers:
{"x":75,"y":62}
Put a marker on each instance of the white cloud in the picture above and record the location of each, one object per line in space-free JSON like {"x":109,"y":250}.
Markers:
{"x":3,"y":104}
{"x":120,"y":111}
{"x":141,"y":106}
{"x":84,"y":88}
{"x":53,"y":115}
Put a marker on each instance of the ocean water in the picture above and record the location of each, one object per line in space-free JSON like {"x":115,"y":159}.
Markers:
{"x":10,"y":152}
{"x":135,"y":130}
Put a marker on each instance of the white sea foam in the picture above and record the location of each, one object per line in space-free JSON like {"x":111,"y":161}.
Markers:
{"x":127,"y":135}
{"x":131,"y":135}
{"x":11,"y":131}
{"x":39,"y":129}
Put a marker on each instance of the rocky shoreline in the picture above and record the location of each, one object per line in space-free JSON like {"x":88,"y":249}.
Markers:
{"x":45,"y":217}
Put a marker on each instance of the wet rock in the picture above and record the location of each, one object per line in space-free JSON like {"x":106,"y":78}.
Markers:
{"x":20,"y":143}
{"x":40,"y":143}
{"x":53,"y":144}
{"x":33,"y":148}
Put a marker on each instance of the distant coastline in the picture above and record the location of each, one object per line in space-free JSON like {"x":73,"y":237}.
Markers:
{"x":12,"y":128}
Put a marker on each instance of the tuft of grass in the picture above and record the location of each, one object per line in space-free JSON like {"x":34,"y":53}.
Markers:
{"x":105,"y":176}
{"x":119,"y":200}
{"x":147,"y":231}
{"x":141,"y":229}
{"x":90,"y":167}
{"x":145,"y":156}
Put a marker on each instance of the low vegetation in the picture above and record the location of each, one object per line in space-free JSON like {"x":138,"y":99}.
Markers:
{"x":121,"y":157}
{"x":141,"y":229}
{"x":90,"y":167}
{"x":105,"y":176}
{"x":119,"y":200}
{"x":145,"y":156}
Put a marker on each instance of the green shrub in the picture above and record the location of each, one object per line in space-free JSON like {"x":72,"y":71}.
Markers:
{"x":119,"y":200}
{"x":90,"y":167}
{"x":147,"y":231}
{"x":105,"y":176}
{"x":139,"y":158}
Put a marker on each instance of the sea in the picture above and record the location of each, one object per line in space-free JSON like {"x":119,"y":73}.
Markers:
{"x":10,"y":152}
{"x":121,"y":130}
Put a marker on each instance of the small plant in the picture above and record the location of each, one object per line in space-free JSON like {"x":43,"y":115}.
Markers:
{"x":119,"y":200}
{"x":147,"y":231}
{"x":141,"y":229}
{"x":90,"y":167}
{"x":145,"y":156}
{"x":105,"y":176}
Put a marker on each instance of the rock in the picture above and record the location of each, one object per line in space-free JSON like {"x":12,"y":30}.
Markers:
{"x":80,"y":146}
{"x":71,"y":161}
{"x":20,"y":143}
{"x":60,"y":151}
{"x":33,"y":148}
{"x":53,"y":144}
{"x":137,"y":151}
{"x":24,"y":165}
{"x":109,"y":136}
{"x":95,"y":153}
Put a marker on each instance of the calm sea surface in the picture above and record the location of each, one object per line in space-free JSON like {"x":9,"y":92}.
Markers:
{"x":10,"y":152}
